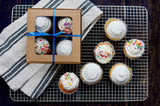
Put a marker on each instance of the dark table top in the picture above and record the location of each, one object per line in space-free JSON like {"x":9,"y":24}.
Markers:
{"x":153,"y":7}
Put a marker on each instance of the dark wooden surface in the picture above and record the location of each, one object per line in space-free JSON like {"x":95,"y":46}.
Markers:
{"x":153,"y":7}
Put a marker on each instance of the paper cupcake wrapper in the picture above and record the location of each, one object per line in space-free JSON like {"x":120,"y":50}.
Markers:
{"x":65,"y":92}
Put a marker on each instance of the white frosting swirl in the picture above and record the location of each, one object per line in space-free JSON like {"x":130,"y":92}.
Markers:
{"x":43,"y":23}
{"x":91,"y":73}
{"x":116,"y":29}
{"x":64,"y":47}
{"x":69,"y":81}
{"x":134,"y":48}
{"x":42,"y":46}
{"x":65,"y":24}
{"x":104,"y":52}
{"x":120,"y":74}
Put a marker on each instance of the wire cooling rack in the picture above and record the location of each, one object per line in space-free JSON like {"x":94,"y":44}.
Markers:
{"x":136,"y":17}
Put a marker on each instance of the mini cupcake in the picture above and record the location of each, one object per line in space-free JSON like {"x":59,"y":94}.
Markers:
{"x":64,"y":47}
{"x":134,"y":48}
{"x":120,"y":74}
{"x":104,"y":52}
{"x":65,"y":25}
{"x":115,"y":29}
{"x":68,"y":83}
{"x":91,"y":73}
{"x":42,"y":46}
{"x":44,"y":24}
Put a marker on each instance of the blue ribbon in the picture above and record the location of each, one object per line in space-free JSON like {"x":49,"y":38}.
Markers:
{"x":41,"y":33}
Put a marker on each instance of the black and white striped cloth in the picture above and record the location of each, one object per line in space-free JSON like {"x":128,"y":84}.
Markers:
{"x":32,"y":79}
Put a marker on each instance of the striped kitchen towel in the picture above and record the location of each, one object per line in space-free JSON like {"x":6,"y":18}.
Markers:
{"x":37,"y":84}
{"x":32,"y":79}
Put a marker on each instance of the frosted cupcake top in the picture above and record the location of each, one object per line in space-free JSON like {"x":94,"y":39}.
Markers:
{"x":116,"y":29}
{"x":42,"y":46}
{"x":104,"y":52}
{"x":91,"y":73}
{"x":65,"y":24}
{"x":64,"y":47}
{"x":120,"y":74}
{"x":134,"y":48}
{"x":43,"y":23}
{"x":69,"y":81}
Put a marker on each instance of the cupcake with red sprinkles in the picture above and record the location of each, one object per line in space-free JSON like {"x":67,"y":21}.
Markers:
{"x":104,"y":52}
{"x":42,"y":46}
{"x":134,"y":48}
{"x":65,"y":25}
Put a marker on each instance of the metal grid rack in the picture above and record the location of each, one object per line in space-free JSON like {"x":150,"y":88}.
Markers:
{"x":136,"y":18}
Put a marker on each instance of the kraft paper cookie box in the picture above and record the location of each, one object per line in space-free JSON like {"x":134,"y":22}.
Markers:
{"x":75,"y":57}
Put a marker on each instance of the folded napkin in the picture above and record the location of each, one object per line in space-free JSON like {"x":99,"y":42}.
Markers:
{"x":32,"y":79}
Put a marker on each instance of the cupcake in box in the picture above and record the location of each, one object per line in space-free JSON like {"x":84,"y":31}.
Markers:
{"x":64,"y":47}
{"x":91,"y":73}
{"x":68,"y":83}
{"x":120,"y":74}
{"x":134,"y":48}
{"x":42,"y":46}
{"x":44,"y":24}
{"x":104,"y":52}
{"x":65,"y":25}
{"x":115,"y":29}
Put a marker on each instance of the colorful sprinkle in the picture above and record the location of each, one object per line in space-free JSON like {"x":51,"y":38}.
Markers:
{"x":68,"y":78}
{"x":42,"y":46}
{"x":66,"y":27}
{"x":102,"y":52}
{"x":136,"y":43}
